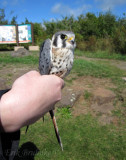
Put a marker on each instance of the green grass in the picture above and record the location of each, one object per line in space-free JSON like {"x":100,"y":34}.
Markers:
{"x":82,"y":137}
{"x":81,"y":67}
{"x":64,"y":112}
{"x":96,"y":69}
{"x":6,"y":58}
{"x":101,"y":54}
{"x":87,"y":95}
{"x":9,"y":74}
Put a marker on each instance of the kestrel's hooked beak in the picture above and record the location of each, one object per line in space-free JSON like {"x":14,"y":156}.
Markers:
{"x":71,"y":40}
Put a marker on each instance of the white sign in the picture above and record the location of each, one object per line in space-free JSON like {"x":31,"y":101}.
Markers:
{"x":8,"y":34}
{"x":24,"y":33}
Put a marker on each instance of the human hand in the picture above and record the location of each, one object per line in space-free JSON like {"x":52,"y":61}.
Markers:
{"x":31,"y":96}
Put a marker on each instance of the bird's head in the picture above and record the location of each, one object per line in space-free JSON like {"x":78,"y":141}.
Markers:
{"x":64,"y":39}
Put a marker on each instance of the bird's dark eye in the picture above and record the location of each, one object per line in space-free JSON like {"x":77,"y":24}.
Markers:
{"x":63,"y":36}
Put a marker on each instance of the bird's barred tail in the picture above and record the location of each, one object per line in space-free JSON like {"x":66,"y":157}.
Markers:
{"x":56,"y":128}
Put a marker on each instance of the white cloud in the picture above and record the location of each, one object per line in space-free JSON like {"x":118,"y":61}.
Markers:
{"x":66,"y":10}
{"x":110,"y":4}
{"x":4,"y":3}
{"x":12,"y":2}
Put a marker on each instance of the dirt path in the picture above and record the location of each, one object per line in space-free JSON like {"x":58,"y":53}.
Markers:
{"x":118,"y":63}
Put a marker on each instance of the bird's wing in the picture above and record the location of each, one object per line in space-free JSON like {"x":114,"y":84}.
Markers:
{"x":45,"y":57}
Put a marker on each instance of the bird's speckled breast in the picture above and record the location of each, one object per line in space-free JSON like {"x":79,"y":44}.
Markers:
{"x":61,"y":62}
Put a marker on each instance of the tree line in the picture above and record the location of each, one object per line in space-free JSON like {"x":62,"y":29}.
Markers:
{"x":93,"y":32}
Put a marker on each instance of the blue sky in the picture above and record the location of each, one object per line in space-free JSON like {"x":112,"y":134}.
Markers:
{"x":39,"y":10}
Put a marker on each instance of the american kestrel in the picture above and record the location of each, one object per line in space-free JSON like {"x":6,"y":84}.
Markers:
{"x":56,"y":57}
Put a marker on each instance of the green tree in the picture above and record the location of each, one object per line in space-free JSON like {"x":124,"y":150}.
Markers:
{"x":50,"y":28}
{"x":14,"y":20}
{"x":2,"y":17}
{"x":119,"y":40}
{"x":27,"y":21}
{"x":106,"y":24}
{"x":88,"y":25}
{"x":122,"y":21}
{"x":39,"y":33}
{"x":67,"y":23}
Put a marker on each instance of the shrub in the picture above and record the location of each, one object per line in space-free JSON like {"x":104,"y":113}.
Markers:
{"x":119,"y":40}
{"x":81,"y":45}
{"x":105,"y":44}
{"x":88,"y":45}
{"x":91,"y":43}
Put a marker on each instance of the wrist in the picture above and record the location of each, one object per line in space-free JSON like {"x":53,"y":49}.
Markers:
{"x":2,"y":92}
{"x":1,"y":126}
{"x":6,"y":116}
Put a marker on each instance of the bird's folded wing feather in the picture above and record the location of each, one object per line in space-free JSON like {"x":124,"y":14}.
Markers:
{"x":45,"y":57}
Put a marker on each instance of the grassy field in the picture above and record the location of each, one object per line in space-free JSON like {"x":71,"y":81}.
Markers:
{"x":6,"y":58}
{"x":101,"y":54}
{"x":83,"y":137}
